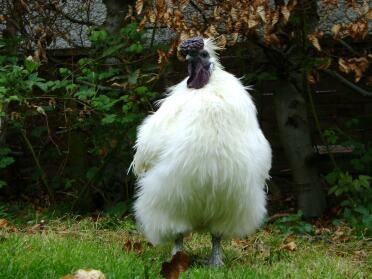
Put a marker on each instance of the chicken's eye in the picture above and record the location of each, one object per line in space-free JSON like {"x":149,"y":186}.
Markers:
{"x":204,"y":54}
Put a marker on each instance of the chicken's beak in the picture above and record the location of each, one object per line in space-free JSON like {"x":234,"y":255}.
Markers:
{"x":188,"y":57}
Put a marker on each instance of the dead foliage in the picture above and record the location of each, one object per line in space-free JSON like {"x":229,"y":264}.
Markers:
{"x":180,"y":263}
{"x":86,"y":274}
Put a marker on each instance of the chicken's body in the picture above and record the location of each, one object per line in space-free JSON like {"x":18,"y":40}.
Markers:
{"x":202,"y":162}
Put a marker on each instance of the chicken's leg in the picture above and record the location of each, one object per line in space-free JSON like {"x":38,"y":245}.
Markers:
{"x":216,"y":257}
{"x":178,"y":244}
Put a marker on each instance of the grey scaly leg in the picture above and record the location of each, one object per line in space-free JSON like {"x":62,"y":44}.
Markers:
{"x":216,"y":257}
{"x":178,"y":244}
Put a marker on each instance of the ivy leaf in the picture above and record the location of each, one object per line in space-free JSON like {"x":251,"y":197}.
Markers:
{"x":135,"y":48}
{"x":2,"y":183}
{"x":91,"y":173}
{"x":85,"y":93}
{"x":109,"y":119}
{"x":103,"y":102}
{"x":98,"y":35}
{"x":31,"y":65}
{"x":42,"y":85}
{"x":6,"y":161}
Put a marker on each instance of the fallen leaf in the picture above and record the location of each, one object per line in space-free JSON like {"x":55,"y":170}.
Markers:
{"x":322,"y":230}
{"x":86,"y":274}
{"x":180,"y":263}
{"x":138,"y":247}
{"x":37,"y":227}
{"x":3,"y":223}
{"x":127,"y":246}
{"x":291,"y":246}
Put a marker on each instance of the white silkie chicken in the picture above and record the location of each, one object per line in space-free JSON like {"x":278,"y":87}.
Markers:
{"x":201,"y":158}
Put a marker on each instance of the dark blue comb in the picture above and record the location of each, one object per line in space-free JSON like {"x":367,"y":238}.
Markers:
{"x":194,"y":43}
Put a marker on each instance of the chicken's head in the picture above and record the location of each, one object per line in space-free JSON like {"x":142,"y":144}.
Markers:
{"x":201,"y":59}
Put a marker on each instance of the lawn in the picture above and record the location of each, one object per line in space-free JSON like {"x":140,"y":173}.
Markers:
{"x":59,"y":246}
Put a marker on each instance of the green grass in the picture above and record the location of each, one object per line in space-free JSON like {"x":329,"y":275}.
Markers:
{"x":65,"y":245}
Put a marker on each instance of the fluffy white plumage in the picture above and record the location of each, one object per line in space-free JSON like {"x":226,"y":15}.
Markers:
{"x":202,"y":161}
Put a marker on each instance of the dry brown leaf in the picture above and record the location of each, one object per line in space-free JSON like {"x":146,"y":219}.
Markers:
{"x":3,"y":223}
{"x":152,"y":16}
{"x":184,"y":3}
{"x":358,"y":30}
{"x":253,"y":22}
{"x":184,"y":36}
{"x":285,"y":12}
{"x":275,"y":17}
{"x":37,"y":227}
{"x":314,"y":41}
{"x":217,"y":12}
{"x":271,"y":39}
{"x":127,"y":246}
{"x":336,"y":30}
{"x":291,"y":246}
{"x":234,"y":14}
{"x":129,"y":13}
{"x":331,"y":3}
{"x":221,"y":41}
{"x":212,"y":31}
{"x":369,"y":14}
{"x":312,"y":77}
{"x":237,"y":26}
{"x":180,"y":263}
{"x":321,"y":230}
{"x":139,"y":6}
{"x":261,"y":12}
{"x":351,"y":3}
{"x":162,"y":56}
{"x":357,"y":65}
{"x":234,"y":38}
{"x":342,"y":65}
{"x":363,"y":8}
{"x":142,"y":23}
{"x":86,"y":274}
{"x":136,"y":247}
{"x":291,"y":5}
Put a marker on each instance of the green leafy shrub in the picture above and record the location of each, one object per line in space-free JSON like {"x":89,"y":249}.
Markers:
{"x":78,"y":122}
{"x":350,"y":182}
{"x":293,"y":224}
{"x":5,"y":160}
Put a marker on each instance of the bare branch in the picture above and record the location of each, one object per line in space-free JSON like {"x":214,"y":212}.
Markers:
{"x":100,"y":87}
{"x":349,"y":84}
{"x":345,"y":44}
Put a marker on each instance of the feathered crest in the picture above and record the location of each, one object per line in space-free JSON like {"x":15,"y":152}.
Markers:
{"x":210,"y":45}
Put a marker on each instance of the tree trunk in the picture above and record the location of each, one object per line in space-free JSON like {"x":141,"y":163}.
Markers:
{"x":291,"y":114}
